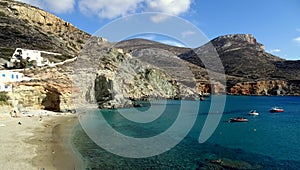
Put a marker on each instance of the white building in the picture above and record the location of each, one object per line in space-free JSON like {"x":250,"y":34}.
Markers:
{"x":4,"y":87}
{"x":7,"y":77}
{"x":31,"y":55}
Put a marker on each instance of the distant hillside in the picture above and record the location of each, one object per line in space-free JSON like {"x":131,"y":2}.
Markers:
{"x":139,"y":44}
{"x":243,"y":57}
{"x":25,"y":26}
{"x":165,"y":57}
{"x":244,"y":60}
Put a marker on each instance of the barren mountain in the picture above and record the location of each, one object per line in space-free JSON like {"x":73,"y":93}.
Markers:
{"x":244,"y":60}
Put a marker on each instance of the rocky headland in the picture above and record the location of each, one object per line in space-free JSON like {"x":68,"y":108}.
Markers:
{"x":117,"y":79}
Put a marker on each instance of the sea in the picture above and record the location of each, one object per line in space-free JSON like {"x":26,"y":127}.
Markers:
{"x":267,"y":141}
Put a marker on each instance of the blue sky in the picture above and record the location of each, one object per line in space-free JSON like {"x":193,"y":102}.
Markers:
{"x":275,"y":23}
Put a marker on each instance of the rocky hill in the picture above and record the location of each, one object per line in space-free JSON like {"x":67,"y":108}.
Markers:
{"x":245,"y":61}
{"x":113,"y":78}
{"x":28,"y":27}
{"x":25,"y":26}
{"x":115,"y":75}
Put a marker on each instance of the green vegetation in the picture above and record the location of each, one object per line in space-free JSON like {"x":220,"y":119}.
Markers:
{"x":3,"y":98}
{"x":25,"y":64}
{"x":2,"y":14}
{"x":3,"y":3}
{"x":80,"y":41}
{"x":63,"y":57}
{"x":6,"y":53}
{"x":57,"y":58}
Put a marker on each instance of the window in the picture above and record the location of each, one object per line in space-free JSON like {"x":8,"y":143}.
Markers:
{"x":17,"y":76}
{"x":3,"y":75}
{"x":6,"y":86}
{"x":12,"y":76}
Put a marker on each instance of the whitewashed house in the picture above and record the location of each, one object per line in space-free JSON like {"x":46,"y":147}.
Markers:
{"x":7,"y":77}
{"x":31,"y":55}
{"x":4,"y":87}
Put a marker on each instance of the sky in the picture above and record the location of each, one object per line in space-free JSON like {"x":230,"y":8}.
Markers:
{"x":274,"y":23}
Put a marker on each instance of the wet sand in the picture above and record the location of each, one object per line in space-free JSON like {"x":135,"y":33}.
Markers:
{"x":38,"y":143}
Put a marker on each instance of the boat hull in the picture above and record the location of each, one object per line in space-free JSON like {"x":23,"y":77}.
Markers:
{"x":238,"y":120}
{"x":276,"y":111}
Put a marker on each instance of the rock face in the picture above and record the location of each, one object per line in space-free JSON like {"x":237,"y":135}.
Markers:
{"x":25,"y":26}
{"x":121,"y":79}
{"x":248,"y":67}
{"x":277,"y":87}
{"x":238,"y":41}
{"x":37,"y":95}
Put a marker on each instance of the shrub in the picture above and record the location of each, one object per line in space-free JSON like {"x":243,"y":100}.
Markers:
{"x":2,"y":14}
{"x":3,"y":97}
{"x":4,"y":4}
{"x":80,"y":41}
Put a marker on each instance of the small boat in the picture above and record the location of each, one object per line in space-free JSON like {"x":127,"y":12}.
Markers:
{"x":276,"y":110}
{"x":253,"y":113}
{"x":238,"y":119}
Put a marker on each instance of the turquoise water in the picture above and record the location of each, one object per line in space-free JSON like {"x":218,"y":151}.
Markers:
{"x":267,"y":141}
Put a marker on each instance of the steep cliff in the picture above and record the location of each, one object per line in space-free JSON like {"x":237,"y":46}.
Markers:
{"x":121,"y":79}
{"x":25,"y":26}
{"x":51,"y":92}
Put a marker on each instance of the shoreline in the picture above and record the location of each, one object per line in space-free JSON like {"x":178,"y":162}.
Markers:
{"x":39,"y":142}
{"x":64,"y":156}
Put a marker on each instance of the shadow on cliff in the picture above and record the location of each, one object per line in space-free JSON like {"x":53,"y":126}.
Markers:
{"x":52,"y":101}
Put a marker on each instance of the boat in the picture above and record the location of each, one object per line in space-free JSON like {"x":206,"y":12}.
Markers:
{"x":253,"y":113}
{"x":276,"y":110}
{"x":238,"y":119}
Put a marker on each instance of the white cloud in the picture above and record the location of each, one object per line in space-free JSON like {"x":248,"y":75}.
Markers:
{"x":109,"y":8}
{"x":159,"y":18}
{"x":114,"y":8}
{"x":55,"y":6}
{"x":275,"y":51}
{"x":187,"y":33}
{"x":297,"y":40}
{"x":171,"y":7}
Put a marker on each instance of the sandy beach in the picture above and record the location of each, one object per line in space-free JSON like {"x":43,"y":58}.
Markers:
{"x":38,"y":142}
